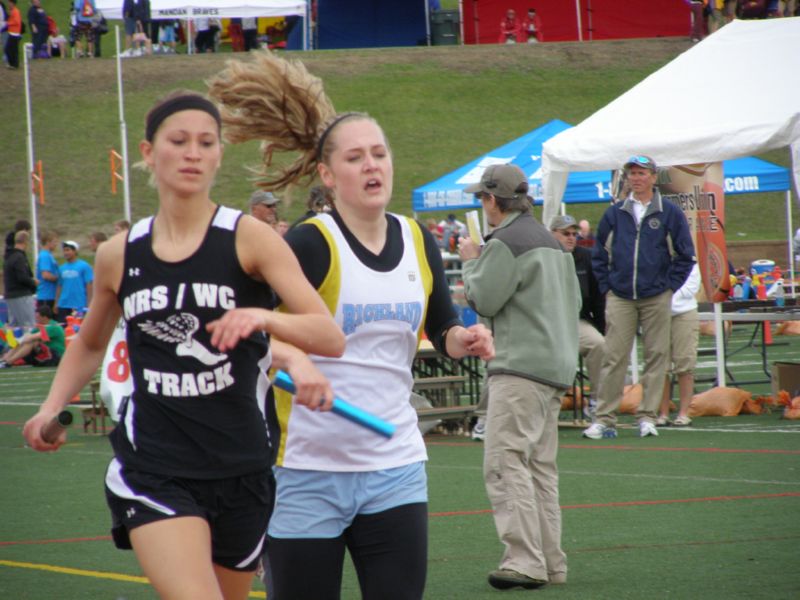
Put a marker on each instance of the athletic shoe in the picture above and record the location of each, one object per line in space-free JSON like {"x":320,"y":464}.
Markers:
{"x":479,"y":431}
{"x":505,"y":579}
{"x":3,"y":364}
{"x":663,"y":422}
{"x":683,"y":421}
{"x":647,"y":428}
{"x":596,"y":431}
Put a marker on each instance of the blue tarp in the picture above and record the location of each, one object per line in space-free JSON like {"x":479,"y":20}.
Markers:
{"x":742,"y":175}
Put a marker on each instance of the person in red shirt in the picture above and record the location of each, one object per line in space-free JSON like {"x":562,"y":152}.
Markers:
{"x":510,"y":29}
{"x":14,"y":24}
{"x":532,"y":27}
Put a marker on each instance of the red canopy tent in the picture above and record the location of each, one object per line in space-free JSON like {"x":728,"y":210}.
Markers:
{"x":565,"y":20}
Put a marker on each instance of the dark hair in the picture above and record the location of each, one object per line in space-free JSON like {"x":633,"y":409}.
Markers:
{"x":122,"y":224}
{"x":176,"y":102}
{"x":23,"y":225}
{"x":98,"y":236}
{"x":45,"y":311}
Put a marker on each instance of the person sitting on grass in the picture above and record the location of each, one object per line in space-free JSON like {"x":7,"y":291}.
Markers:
{"x":37,"y":349}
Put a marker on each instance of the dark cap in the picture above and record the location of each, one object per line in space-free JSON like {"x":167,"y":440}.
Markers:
{"x":262,"y":197}
{"x":642,"y":161}
{"x":504,"y":181}
{"x":561,"y":222}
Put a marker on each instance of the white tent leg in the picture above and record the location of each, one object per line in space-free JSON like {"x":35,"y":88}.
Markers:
{"x":790,"y":237}
{"x":719,"y":338}
{"x":635,"y":361}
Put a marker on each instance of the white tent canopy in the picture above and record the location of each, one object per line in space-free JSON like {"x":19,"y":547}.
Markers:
{"x":222,"y":9}
{"x":734,"y":94}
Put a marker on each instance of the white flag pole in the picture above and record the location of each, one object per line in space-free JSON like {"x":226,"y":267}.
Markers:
{"x":26,"y":51}
{"x":123,"y":132}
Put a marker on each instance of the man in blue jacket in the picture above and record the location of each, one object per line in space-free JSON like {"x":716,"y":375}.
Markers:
{"x":644,"y":252}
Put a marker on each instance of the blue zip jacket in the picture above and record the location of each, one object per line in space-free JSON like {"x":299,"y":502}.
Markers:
{"x":643,"y":261}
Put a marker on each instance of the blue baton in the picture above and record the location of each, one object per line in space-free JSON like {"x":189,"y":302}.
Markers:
{"x":352,"y":413}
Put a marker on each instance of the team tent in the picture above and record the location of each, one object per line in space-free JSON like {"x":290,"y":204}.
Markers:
{"x":221,"y":9}
{"x":719,"y":100}
{"x":742,"y":175}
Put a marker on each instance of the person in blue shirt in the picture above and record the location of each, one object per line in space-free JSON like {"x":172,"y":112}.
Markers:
{"x":47,"y":270}
{"x":75,"y":278}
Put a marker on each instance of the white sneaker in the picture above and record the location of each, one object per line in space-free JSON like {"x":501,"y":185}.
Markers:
{"x":597,"y":431}
{"x":479,"y":431}
{"x":647,"y":428}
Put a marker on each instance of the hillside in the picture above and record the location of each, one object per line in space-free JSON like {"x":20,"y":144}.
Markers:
{"x":440,"y":107}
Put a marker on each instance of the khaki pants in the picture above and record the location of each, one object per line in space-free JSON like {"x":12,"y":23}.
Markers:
{"x":521,"y":476}
{"x":592,"y":347}
{"x":623,"y":318}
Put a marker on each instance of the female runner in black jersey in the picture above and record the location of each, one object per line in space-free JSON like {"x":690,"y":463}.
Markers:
{"x":189,"y":486}
{"x":340,"y":487}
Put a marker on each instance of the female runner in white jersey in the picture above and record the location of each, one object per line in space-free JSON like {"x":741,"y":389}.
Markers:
{"x":188,"y":487}
{"x":340,"y":486}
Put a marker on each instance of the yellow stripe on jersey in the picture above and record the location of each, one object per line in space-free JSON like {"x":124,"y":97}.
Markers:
{"x":329,"y":291}
{"x":424,"y":270}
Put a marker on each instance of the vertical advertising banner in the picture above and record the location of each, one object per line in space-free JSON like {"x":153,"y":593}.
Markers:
{"x":698,"y":191}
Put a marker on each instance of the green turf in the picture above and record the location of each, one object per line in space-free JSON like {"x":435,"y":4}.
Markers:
{"x":705,"y":512}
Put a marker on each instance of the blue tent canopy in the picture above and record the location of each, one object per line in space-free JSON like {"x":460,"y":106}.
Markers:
{"x":742,"y":175}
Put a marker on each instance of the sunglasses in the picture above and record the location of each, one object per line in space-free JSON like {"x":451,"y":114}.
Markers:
{"x":639,"y":159}
{"x":569,"y":233}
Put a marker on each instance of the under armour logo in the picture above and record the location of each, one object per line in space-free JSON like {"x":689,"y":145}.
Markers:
{"x":412,"y":276}
{"x":130,"y":513}
{"x":133,"y":272}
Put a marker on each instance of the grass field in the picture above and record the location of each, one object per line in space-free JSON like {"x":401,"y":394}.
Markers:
{"x":705,"y":512}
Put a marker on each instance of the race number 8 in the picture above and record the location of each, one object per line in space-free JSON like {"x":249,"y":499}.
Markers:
{"x":119,"y":369}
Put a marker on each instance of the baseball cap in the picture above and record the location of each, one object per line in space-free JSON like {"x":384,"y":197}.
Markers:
{"x":262,"y":197}
{"x":70,"y":244}
{"x":642,"y":161}
{"x":561,"y":222}
{"x":504,"y":181}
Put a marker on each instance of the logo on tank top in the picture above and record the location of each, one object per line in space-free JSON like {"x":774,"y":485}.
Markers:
{"x":179,"y":329}
{"x":356,"y":315}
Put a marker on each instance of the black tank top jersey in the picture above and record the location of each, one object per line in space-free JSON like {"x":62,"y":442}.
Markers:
{"x":195,"y":412}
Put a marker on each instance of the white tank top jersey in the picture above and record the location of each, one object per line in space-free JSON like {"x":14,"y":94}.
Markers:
{"x":382,"y":315}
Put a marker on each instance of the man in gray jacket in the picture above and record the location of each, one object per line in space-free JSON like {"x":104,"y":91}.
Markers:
{"x":524,"y":285}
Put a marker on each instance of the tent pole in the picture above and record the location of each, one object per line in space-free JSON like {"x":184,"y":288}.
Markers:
{"x":427,"y":23}
{"x":306,"y":25}
{"x":578,"y":13}
{"x":790,"y":237}
{"x":475,"y":20}
{"x":123,"y":133}
{"x":26,"y":49}
{"x":719,"y":339}
{"x":461,"y":20}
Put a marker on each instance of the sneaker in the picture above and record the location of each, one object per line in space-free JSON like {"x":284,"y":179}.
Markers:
{"x":647,"y":428}
{"x":663,"y":422}
{"x":479,"y":431}
{"x":682,"y":421}
{"x":597,"y":431}
{"x":559,"y":578}
{"x":505,"y":579}
{"x":4,"y":364}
